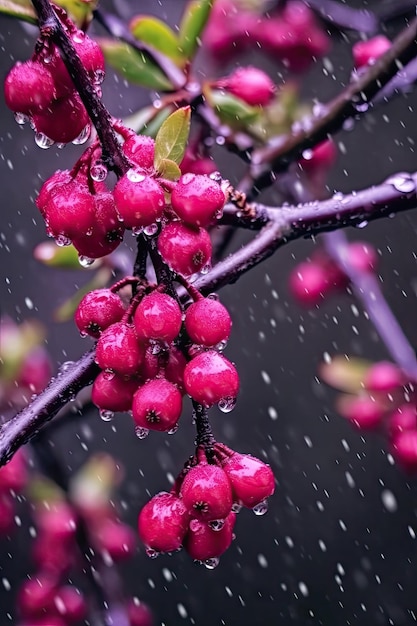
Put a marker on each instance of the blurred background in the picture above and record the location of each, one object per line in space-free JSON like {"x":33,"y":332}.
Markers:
{"x":338,"y":543}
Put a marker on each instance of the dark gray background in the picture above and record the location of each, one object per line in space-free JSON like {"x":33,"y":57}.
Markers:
{"x":337,"y":546}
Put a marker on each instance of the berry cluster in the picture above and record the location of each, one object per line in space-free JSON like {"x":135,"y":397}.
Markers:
{"x":200,"y":511}
{"x":143,"y":369}
{"x":41,"y":90}
{"x":290,"y":33}
{"x":13,"y":479}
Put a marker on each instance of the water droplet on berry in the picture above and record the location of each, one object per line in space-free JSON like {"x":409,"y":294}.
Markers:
{"x":42,"y":141}
{"x":195,"y":525}
{"x":152,"y":554}
{"x":85,"y":261}
{"x":61,"y":241}
{"x":98,"y":172}
{"x":216,"y":524}
{"x":83,"y":136}
{"x":187,"y":178}
{"x":83,"y":333}
{"x":141,"y":433}
{"x":78,"y":36}
{"x":99,"y":76}
{"x":211,"y":563}
{"x":20,"y":118}
{"x":98,"y":90}
{"x":261,"y":508}
{"x":151,"y":229}
{"x":155,"y":346}
{"x":109,"y":374}
{"x":173,"y":430}
{"x":138,"y":230}
{"x":219,"y":214}
{"x":221,"y":345}
{"x":106,"y":415}
{"x":135,"y":177}
{"x":236,"y":507}
{"x":227,"y":404}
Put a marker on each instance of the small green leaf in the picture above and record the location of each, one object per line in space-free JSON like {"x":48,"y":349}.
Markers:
{"x":232,"y":110}
{"x":135,"y":66}
{"x":80,"y":11}
{"x":172,"y":137}
{"x":159,"y":36}
{"x":192,"y":25}
{"x":345,"y":374}
{"x":169,"y":169}
{"x":52,"y":255}
{"x":21,"y":9}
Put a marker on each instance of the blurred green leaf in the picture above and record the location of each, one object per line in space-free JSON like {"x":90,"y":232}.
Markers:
{"x":16,"y":342}
{"x":169,"y":170}
{"x":345,"y":374}
{"x":21,"y":9}
{"x":95,"y":481}
{"x":66,"y":257}
{"x":80,"y":11}
{"x":159,"y":36}
{"x":193,"y":21}
{"x":232,"y":110}
{"x":66,"y":311}
{"x":172,"y":137}
{"x":43,"y":492}
{"x":137,"y":67}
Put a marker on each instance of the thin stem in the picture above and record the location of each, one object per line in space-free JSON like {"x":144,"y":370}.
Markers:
{"x":205,"y":436}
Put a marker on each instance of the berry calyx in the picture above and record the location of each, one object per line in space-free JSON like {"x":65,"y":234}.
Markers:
{"x":163,"y":522}
{"x":207,"y":493}
{"x":208,"y":322}
{"x":186,"y":249}
{"x":158,"y":317}
{"x":203,"y":543}
{"x":139,"y":199}
{"x":157,"y":405}
{"x":210,"y":377}
{"x":252,"y":480}
{"x":98,"y":310}
{"x":197,"y":199}
{"x":118,"y":349}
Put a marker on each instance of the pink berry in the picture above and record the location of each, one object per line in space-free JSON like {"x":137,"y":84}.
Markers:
{"x":385,"y":377}
{"x":139,"y":614}
{"x":363,"y":412}
{"x":362,"y":256}
{"x":403,"y":418}
{"x":251,"y":85}
{"x":208,"y":322}
{"x":228,"y":30}
{"x":36,"y":596}
{"x":59,"y":178}
{"x":197,"y":199}
{"x":140,"y":149}
{"x":90,"y":54}
{"x":163,"y":522}
{"x":58,"y":522}
{"x":207,"y":493}
{"x":366,"y":52}
{"x":14,"y":475}
{"x":118,"y":349}
{"x":140,"y":199}
{"x":210,"y":377}
{"x":7,"y":513}
{"x":116,"y":539}
{"x":53,"y":557}
{"x":113,"y":392}
{"x":203,"y":543}
{"x":404,"y":448}
{"x":309,"y":282}
{"x":69,"y":211}
{"x":63,"y":121}
{"x":319,"y":158}
{"x":186,"y":249}
{"x":36,"y":370}
{"x":29,"y":88}
{"x":158,"y":317}
{"x":98,"y":310}
{"x":195,"y":164}
{"x":252,"y":480}
{"x":70,"y":603}
{"x":157,"y":405}
{"x":174,"y":367}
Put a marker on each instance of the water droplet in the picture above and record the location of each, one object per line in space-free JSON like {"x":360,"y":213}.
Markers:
{"x":236,"y":507}
{"x":348,"y":124}
{"x":195,"y":525}
{"x":213,"y":296}
{"x":307,"y":155}
{"x":141,"y":433}
{"x":361,"y":107}
{"x":137,"y":230}
{"x":173,"y":430}
{"x":362,"y":224}
{"x":61,"y":145}
{"x":83,"y":136}
{"x":109,"y":374}
{"x":187,"y":178}
{"x":155,"y":346}
{"x":61,"y":241}
{"x":205,"y":269}
{"x":42,"y":141}
{"x":261,"y":508}
{"x":78,"y":36}
{"x":21,"y":119}
{"x":402,"y":182}
{"x":106,"y":415}
{"x":151,"y":229}
{"x":221,"y":345}
{"x":66,"y":366}
{"x":216,"y":524}
{"x":83,"y":333}
{"x":98,"y":172}
{"x":99,"y":76}
{"x":211,"y":563}
{"x":85,"y":261}
{"x":152,"y":554}
{"x":227,"y":404}
{"x":135,"y":177}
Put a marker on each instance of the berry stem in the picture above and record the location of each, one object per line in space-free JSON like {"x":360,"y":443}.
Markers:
{"x":205,"y":436}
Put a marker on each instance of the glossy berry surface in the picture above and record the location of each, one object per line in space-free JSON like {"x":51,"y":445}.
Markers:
{"x":163,"y":522}
{"x":184,"y":248}
{"x":116,"y":539}
{"x":209,"y":377}
{"x":203,"y":543}
{"x":309,"y":282}
{"x":252,"y":480}
{"x":63,"y":121}
{"x":208,"y":322}
{"x":29,"y":88}
{"x":158,"y":317}
{"x":404,"y":448}
{"x":366,"y":52}
{"x":69,"y":211}
{"x":118,"y":349}
{"x":251,"y":85}
{"x":384,"y":377}
{"x":157,"y":405}
{"x":363,"y":412}
{"x":139,"y":199}
{"x":207,"y":493}
{"x":113,"y":392}
{"x":36,"y":595}
{"x":140,"y":149}
{"x":403,"y":418}
{"x":50,"y":186}
{"x":98,"y":310}
{"x":139,"y":614}
{"x":197,"y":199}
{"x":70,"y":604}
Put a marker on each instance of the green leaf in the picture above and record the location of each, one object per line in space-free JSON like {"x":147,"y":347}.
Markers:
{"x":159,"y":36}
{"x":66,"y":311}
{"x":21,"y":9}
{"x":172,"y":137}
{"x":232,"y":110}
{"x":169,"y":169}
{"x":80,"y":11}
{"x":137,"y":67}
{"x":345,"y":374}
{"x":52,"y":255}
{"x":192,"y":25}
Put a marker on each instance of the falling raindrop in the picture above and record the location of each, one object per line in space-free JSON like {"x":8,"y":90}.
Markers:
{"x":83,"y":136}
{"x":261,"y":508}
{"x":227,"y":404}
{"x":106,"y":415}
{"x":42,"y":141}
{"x":141,"y":433}
{"x":221,"y":346}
